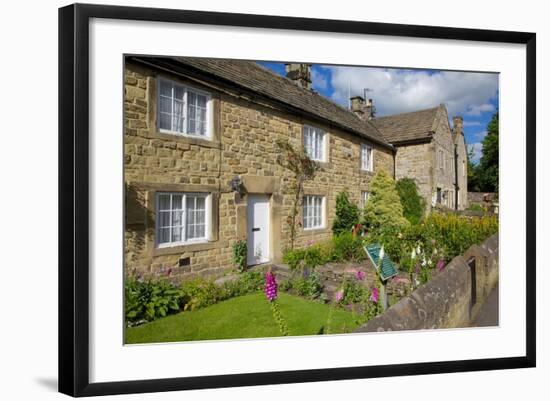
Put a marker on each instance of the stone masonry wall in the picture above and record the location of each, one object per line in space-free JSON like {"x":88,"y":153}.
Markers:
{"x":445,"y":301}
{"x":417,"y":162}
{"x":243,"y":144}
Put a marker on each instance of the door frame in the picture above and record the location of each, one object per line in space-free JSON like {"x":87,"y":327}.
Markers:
{"x":269,"y":254}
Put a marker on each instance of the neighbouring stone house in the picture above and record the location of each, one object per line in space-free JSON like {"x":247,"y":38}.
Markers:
{"x":428,"y":151}
{"x":200,"y":162}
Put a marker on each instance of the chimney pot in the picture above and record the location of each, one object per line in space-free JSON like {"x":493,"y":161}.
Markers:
{"x":299,"y":73}
{"x":458,"y":125}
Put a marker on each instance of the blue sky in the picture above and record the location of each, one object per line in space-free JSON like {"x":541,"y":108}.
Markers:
{"x":472,"y":95}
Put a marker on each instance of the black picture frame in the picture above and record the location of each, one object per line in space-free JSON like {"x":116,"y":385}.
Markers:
{"x":74,"y":198}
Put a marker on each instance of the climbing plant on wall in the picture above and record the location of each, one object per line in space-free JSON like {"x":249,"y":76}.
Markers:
{"x":303,"y":169}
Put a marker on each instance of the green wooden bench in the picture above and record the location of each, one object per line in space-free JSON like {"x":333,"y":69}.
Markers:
{"x":388,"y":269}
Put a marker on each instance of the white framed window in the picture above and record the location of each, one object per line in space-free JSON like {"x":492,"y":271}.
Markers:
{"x":314,"y":212}
{"x":364,"y":198}
{"x":366,"y":157}
{"x":183,"y":110}
{"x":182,"y":218}
{"x":315,"y":143}
{"x":441,"y":160}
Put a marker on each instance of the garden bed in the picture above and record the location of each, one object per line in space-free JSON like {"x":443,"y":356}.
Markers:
{"x":247,"y":316}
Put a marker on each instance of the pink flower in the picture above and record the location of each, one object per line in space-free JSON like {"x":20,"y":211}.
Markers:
{"x":374,"y":295}
{"x":339,"y":295}
{"x":270,"y":288}
{"x":360,"y":275}
{"x":441,"y":265}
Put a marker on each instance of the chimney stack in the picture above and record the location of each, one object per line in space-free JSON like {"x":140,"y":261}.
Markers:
{"x":300,"y":74}
{"x":363,"y":110}
{"x":458,"y":125}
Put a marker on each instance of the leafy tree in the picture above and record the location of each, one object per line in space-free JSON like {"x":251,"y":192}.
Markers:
{"x":413,"y":204}
{"x":303,"y":169}
{"x":473,"y":179}
{"x":347,"y":214}
{"x":384,"y":207}
{"x":488,"y":164}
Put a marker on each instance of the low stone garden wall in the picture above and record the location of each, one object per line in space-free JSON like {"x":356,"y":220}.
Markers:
{"x":332,"y":276}
{"x":450,"y":299}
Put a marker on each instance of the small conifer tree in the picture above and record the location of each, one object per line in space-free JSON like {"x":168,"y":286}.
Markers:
{"x":347,"y":214}
{"x":384,"y":209}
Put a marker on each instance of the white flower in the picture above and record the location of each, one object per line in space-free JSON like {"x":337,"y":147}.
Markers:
{"x":423,"y":261}
{"x":413,"y":254}
{"x":381,"y":256}
{"x":418,"y":250}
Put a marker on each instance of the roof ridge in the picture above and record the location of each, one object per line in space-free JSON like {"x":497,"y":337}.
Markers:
{"x":408,"y":112}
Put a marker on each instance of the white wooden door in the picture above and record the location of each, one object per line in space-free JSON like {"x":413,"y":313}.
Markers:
{"x":258,"y":229}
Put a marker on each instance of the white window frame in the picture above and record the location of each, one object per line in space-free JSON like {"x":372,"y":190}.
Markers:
{"x":184,"y":241}
{"x":322,"y":147}
{"x":186,"y":89}
{"x":307,"y":200}
{"x":367,"y":165}
{"x":441,"y":160}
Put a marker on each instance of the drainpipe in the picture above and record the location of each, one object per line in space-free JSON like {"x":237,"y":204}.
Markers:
{"x":456,"y":177}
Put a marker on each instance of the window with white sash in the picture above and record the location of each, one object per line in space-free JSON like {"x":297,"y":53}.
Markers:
{"x":183,"y":110}
{"x":181,"y":218}
{"x":366,"y":157}
{"x":314,"y":211}
{"x":314,"y":143}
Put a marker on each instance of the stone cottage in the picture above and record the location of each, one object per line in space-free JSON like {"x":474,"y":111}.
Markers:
{"x":200,"y":162}
{"x":428,"y":151}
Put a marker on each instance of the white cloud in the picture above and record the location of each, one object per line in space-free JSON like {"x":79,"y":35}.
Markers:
{"x":477,"y":151}
{"x":472,"y":123}
{"x":476,"y":110}
{"x":479,"y":135}
{"x":397,"y":91}
{"x":318,"y":80}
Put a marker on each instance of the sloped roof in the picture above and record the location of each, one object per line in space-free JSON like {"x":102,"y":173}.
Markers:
{"x":253,"y":77}
{"x":404,"y":127}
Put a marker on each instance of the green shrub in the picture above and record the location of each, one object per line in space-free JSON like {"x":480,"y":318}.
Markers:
{"x":413,"y":204}
{"x":248,"y":282}
{"x":447,"y":235}
{"x":354,"y":293}
{"x":149,"y":300}
{"x":384,"y":207}
{"x":240,"y":249}
{"x":347,"y":247}
{"x":201,"y":293}
{"x":347,"y":214}
{"x":307,"y":286}
{"x":294,"y":257}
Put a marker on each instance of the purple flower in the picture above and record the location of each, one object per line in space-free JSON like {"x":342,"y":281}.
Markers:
{"x":339,"y":295}
{"x":270,"y":288}
{"x":374,"y":295}
{"x":441,"y":265}
{"x":360,"y":275}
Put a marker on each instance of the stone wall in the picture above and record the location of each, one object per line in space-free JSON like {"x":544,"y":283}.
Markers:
{"x":242,"y":144}
{"x":417,"y":162}
{"x":446,"y":300}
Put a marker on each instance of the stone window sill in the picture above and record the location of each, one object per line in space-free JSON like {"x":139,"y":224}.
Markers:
{"x":203,"y":246}
{"x":203,"y":142}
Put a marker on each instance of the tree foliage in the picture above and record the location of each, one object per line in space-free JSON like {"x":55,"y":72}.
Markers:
{"x":303,"y":169}
{"x":413,"y":204}
{"x":483,"y":177}
{"x":384,"y":209}
{"x":347,"y":214}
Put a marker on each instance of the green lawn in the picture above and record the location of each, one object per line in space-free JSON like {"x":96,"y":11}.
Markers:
{"x":248,"y":316}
